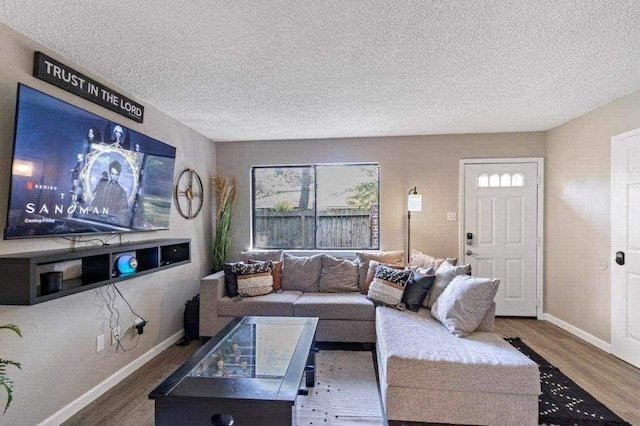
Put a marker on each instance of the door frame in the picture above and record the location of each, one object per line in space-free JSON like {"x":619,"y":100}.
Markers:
{"x":540,"y":225}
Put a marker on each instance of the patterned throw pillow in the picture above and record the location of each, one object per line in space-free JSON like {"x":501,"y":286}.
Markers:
{"x":276,"y":273}
{"x":254,"y":279}
{"x":371,"y":273}
{"x":387,"y":257}
{"x":388,"y":285}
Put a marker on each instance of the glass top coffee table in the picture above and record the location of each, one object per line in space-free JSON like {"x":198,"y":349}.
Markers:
{"x":251,"y":370}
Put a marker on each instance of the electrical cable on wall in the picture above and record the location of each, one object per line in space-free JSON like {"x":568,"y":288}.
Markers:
{"x":115,"y":315}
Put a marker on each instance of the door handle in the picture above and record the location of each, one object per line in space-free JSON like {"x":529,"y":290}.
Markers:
{"x":470,"y":253}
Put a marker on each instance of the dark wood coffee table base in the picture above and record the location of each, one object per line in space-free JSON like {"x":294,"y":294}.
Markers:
{"x":193,"y":399}
{"x":170,"y":411}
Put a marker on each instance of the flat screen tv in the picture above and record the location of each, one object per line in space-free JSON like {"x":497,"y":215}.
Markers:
{"x":76,"y":173}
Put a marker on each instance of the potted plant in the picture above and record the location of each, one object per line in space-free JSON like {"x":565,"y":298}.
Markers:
{"x":224,"y":189}
{"x":5,"y":381}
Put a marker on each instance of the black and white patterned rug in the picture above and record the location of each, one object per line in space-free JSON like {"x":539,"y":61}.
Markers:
{"x":562,"y":401}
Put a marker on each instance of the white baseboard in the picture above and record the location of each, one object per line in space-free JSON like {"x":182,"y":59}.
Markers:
{"x":65,"y":413}
{"x":590,"y":338}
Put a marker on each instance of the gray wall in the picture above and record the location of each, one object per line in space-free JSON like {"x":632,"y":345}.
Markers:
{"x":429,"y":162}
{"x":578,"y":211}
{"x":57,"y":352}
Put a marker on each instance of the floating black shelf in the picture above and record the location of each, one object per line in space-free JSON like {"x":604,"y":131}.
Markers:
{"x":20,"y":272}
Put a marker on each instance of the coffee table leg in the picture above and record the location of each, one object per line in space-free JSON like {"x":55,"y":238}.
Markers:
{"x":311,"y":368}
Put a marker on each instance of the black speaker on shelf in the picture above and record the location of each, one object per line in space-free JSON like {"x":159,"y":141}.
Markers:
{"x":50,"y":282}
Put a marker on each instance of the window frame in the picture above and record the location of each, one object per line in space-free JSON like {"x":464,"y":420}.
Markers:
{"x":314,"y":168}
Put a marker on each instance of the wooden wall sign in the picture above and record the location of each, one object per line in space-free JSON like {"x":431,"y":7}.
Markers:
{"x":48,"y":69}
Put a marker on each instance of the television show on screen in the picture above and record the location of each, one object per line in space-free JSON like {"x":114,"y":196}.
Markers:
{"x":74,"y":172}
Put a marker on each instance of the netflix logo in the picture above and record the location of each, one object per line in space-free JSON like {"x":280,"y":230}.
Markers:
{"x":31,"y":186}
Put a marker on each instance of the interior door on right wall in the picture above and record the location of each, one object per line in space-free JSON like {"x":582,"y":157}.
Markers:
{"x":625,"y":245}
{"x":501,"y":214}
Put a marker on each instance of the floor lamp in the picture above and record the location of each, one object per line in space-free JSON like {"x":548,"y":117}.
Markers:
{"x":414,"y":204}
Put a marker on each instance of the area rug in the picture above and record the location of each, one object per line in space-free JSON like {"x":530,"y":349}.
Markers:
{"x":345,"y":392}
{"x":562,"y":401}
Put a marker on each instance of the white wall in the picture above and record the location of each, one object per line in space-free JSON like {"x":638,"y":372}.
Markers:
{"x":58,"y":349}
{"x":578,"y":216}
{"x":429,"y":162}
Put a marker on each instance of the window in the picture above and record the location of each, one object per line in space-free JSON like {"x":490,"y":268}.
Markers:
{"x":506,"y":180}
{"x":329,"y":206}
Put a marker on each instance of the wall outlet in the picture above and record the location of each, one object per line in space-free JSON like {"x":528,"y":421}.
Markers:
{"x":115,"y":335}
{"x":452,"y":216}
{"x":135,"y":324}
{"x":100,"y":343}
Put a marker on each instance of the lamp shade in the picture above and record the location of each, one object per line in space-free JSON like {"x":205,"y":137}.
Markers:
{"x":414,"y":203}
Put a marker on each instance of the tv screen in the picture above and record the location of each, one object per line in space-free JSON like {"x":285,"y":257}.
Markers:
{"x":74,"y":172}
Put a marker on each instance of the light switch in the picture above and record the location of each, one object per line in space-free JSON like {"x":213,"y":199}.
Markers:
{"x":452,"y":216}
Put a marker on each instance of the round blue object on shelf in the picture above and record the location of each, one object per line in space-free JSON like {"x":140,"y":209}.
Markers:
{"x":126,"y":264}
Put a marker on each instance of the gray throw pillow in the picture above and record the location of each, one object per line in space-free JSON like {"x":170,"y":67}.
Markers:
{"x":445,"y":273}
{"x":338,"y":275}
{"x":464,"y":303}
{"x":301,"y":273}
{"x":261,"y":255}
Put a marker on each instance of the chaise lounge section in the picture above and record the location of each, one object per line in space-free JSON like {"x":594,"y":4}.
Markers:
{"x":429,"y":375}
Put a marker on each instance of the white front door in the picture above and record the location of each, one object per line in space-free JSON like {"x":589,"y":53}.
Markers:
{"x":625,"y":241}
{"x":500,"y":231}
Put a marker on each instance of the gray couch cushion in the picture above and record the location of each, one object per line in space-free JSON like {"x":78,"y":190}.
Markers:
{"x":275,"y":304}
{"x":335,"y":306}
{"x":417,"y":351}
{"x":338,"y":275}
{"x":301,"y":273}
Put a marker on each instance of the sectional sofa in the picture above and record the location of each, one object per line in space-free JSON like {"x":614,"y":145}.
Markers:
{"x":426,"y":373}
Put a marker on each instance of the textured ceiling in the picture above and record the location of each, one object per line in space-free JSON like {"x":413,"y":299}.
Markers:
{"x":252,"y":70}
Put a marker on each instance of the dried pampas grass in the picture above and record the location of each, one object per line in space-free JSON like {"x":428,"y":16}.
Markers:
{"x":225,"y":191}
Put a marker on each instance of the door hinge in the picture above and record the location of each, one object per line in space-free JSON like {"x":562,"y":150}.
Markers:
{"x":538,"y":241}
{"x":537,"y":179}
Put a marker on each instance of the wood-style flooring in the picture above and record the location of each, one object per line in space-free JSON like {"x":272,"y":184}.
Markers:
{"x":608,"y":379}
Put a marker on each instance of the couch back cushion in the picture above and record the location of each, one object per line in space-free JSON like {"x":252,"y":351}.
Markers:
{"x":301,"y":273}
{"x":338,"y":275}
{"x":395,"y":258}
{"x":261,"y":255}
{"x":419,"y":259}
